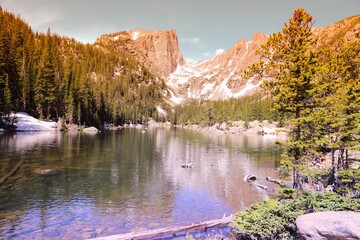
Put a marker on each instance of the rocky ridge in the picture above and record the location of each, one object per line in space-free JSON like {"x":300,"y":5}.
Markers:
{"x":348,"y":28}
{"x":219,"y":77}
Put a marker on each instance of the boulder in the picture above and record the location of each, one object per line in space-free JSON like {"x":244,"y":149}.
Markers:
{"x":91,"y":129}
{"x":329,"y":225}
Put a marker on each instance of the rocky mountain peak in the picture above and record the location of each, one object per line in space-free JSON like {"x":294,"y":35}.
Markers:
{"x":157,"y":50}
{"x":219,"y":77}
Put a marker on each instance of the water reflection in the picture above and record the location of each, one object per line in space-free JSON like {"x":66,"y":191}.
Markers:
{"x":116,"y":182}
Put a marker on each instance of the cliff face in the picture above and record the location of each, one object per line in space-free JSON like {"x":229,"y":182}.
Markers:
{"x":157,"y":50}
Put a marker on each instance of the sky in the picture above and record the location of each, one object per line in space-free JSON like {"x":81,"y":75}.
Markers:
{"x":204,"y":27}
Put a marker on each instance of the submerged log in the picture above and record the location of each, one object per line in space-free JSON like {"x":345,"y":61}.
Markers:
{"x":250,"y":178}
{"x":170,"y":231}
{"x":270,"y":179}
{"x":260,"y":186}
{"x":17,"y":166}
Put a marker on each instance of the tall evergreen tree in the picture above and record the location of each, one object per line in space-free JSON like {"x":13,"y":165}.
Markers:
{"x":290,"y":66}
{"x":45,"y":81}
{"x":338,"y":102}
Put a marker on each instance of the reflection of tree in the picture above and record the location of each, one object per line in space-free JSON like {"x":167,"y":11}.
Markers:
{"x":15,"y":146}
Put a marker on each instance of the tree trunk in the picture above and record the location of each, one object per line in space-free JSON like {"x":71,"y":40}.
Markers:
{"x":296,"y":178}
{"x":340,"y":159}
{"x":332,"y":176}
{"x":346,"y":159}
{"x":297,"y":136}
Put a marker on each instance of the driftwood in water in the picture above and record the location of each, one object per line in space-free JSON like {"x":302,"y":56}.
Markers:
{"x":170,"y":231}
{"x":250,"y":178}
{"x":188,"y":165}
{"x":2,"y":180}
{"x":260,"y":186}
{"x":270,"y":179}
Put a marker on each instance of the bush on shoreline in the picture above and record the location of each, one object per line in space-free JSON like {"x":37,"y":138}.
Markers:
{"x":275,"y":219}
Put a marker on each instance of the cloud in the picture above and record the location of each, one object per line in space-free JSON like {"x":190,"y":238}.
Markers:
{"x":207,"y":54}
{"x":193,"y":41}
{"x":219,"y":51}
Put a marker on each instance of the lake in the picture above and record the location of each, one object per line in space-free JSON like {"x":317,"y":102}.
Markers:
{"x":128,"y":180}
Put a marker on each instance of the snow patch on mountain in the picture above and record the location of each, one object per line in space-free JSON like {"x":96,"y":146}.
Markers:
{"x":135,"y":35}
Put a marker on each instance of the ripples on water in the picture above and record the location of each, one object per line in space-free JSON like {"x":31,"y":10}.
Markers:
{"x":117,"y":182}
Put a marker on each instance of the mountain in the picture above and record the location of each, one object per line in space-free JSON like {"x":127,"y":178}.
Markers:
{"x":218,"y":78}
{"x":221,"y":76}
{"x":348,"y":28}
{"x":124,"y":76}
{"x":157,"y":50}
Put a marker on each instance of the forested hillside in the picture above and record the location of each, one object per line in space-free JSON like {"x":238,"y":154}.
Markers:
{"x":51,"y":76}
{"x":204,"y":113}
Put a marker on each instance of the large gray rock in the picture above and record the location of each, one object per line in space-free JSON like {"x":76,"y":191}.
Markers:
{"x":90,"y":130}
{"x":329,"y":225}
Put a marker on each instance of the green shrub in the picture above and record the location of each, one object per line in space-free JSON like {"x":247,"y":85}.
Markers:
{"x":275,"y":219}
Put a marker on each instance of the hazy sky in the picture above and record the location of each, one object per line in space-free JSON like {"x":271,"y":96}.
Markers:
{"x":203,"y":26}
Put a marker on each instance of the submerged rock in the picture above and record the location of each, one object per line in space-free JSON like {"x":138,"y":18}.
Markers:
{"x":45,"y":171}
{"x":329,"y":225}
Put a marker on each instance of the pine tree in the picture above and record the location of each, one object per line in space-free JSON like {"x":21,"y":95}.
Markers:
{"x":338,"y":102}
{"x":45,"y":82}
{"x":290,"y":66}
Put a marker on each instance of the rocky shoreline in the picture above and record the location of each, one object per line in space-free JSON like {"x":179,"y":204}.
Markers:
{"x":234,"y":128}
{"x":25,"y":122}
{"x":241,"y":127}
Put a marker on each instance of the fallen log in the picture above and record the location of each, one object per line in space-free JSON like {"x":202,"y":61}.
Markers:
{"x":188,"y":165}
{"x":17,"y":166}
{"x":250,"y":177}
{"x":270,"y":179}
{"x":260,"y":186}
{"x":170,"y":231}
